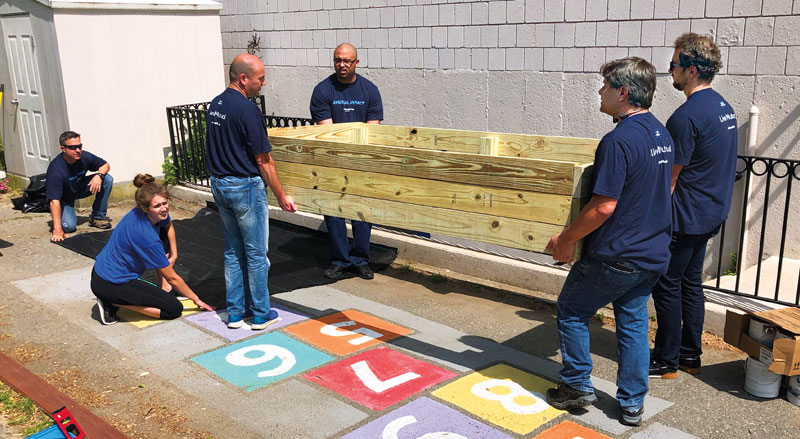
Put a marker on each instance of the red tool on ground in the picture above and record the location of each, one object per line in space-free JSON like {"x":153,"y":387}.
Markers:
{"x":66,"y":423}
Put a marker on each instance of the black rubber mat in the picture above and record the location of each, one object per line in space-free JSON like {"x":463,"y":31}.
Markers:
{"x":297,"y":255}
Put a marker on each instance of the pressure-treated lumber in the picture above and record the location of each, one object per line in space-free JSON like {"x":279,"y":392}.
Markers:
{"x":572,"y":149}
{"x":509,"y":232}
{"x":525,"y":205}
{"x":514,"y":173}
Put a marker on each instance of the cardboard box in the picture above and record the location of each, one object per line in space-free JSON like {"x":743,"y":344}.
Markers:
{"x":784,"y":356}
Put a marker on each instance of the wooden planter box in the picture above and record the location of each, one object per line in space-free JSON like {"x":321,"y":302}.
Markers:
{"x":514,"y":190}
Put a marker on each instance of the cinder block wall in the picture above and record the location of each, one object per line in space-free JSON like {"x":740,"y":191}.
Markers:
{"x":527,"y":66}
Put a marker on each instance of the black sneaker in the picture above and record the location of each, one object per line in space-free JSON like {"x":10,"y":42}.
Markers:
{"x":660,"y":370}
{"x":333,"y":272}
{"x":632,"y":417}
{"x":364,"y":272}
{"x":565,"y":397}
{"x":107,"y":317}
{"x":104,"y":224}
{"x":690,"y":365}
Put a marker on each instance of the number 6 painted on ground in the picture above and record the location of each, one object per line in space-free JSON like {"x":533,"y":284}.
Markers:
{"x":393,"y":428}
{"x":481,"y":390}
{"x":334,"y":331}
{"x":239,"y":358}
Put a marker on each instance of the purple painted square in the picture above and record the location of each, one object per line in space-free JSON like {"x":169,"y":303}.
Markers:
{"x":424,"y":416}
{"x":217,"y":322}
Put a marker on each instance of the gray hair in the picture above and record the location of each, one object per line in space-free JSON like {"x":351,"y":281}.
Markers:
{"x":636,"y":74}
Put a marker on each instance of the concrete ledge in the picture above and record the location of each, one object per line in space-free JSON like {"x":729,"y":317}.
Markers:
{"x":525,"y":278}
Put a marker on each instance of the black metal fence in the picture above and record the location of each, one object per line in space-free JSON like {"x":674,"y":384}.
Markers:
{"x":187,"y":132}
{"x":763,"y":196}
{"x":765,"y":216}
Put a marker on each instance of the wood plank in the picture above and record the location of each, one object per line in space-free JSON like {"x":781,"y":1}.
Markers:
{"x":489,"y":146}
{"x":525,"y":205}
{"x":514,"y":173}
{"x":509,"y":232}
{"x":51,"y":399}
{"x":342,"y":132}
{"x":574,"y":149}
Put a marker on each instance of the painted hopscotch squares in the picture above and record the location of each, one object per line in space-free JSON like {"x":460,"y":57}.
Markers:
{"x":379,"y":378}
{"x":346,"y":332}
{"x":569,"y":429}
{"x":217,"y":322}
{"x":503,"y":395}
{"x":425,"y":418}
{"x":262,"y":360}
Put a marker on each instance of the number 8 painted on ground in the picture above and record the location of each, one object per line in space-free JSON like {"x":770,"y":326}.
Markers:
{"x":481,"y":390}
{"x":334,"y":331}
{"x":239,"y":358}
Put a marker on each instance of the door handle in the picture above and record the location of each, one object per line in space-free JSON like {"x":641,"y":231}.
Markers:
{"x":15,"y":101}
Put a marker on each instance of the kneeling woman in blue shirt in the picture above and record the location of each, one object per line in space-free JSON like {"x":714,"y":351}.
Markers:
{"x":135,"y":246}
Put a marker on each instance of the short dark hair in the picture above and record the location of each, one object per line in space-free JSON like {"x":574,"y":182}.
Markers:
{"x":701,"y":52}
{"x":66,"y":135}
{"x":636,"y":74}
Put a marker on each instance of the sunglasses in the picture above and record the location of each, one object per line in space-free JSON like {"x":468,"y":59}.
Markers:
{"x":346,"y":62}
{"x":74,"y":147}
{"x":673,"y":64}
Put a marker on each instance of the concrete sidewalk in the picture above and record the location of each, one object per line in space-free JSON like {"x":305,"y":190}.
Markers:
{"x":189,"y":378}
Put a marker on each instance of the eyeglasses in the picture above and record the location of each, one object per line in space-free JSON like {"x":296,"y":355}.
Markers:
{"x":346,"y":62}
{"x":74,"y":147}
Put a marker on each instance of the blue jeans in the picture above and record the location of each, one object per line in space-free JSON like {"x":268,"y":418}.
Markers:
{"x":242,"y":204}
{"x":678,"y":298}
{"x":69,"y":220}
{"x":342,"y":253}
{"x":591,"y":284}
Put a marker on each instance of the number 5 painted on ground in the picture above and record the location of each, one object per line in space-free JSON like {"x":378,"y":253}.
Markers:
{"x":393,"y":429}
{"x":239,"y":358}
{"x":481,"y":390}
{"x":334,"y":331}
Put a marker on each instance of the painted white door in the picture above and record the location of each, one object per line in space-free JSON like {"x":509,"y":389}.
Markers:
{"x":26,"y":93}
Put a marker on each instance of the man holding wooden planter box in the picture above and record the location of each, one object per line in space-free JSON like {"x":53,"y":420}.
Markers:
{"x":347,"y":97}
{"x":629,"y":223}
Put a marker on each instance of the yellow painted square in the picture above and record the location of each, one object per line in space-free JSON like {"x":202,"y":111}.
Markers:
{"x":143,"y":321}
{"x":503,"y":395}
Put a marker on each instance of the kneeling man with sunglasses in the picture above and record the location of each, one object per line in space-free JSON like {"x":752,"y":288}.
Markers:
{"x":67,"y":181}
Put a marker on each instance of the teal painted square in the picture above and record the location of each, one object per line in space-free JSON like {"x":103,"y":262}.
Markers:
{"x":275,"y":356}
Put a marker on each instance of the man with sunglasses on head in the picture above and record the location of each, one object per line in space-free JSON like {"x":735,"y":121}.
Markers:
{"x":347,"y":97}
{"x":67,"y":181}
{"x":705,"y":133}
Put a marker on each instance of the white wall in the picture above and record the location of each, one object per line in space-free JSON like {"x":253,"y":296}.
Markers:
{"x":530,"y":66}
{"x":122,"y":69}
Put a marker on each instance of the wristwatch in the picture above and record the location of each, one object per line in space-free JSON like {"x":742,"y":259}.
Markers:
{"x":102,"y":176}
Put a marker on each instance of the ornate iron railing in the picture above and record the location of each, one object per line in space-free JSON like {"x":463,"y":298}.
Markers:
{"x":187,"y":132}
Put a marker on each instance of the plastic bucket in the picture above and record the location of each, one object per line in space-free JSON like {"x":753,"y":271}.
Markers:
{"x":794,"y":383}
{"x":762,"y":332}
{"x":793,"y":396}
{"x":759,"y":381}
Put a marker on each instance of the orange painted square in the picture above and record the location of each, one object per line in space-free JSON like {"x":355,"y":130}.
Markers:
{"x":363,"y":332}
{"x":570,"y":430}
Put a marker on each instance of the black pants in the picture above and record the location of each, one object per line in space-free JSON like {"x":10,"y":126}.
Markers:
{"x":136,"y":293}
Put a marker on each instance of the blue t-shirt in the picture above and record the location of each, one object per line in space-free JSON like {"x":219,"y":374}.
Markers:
{"x":706,"y":139}
{"x":633,"y":164}
{"x":358,"y":101}
{"x":63,"y":179}
{"x":236,"y":132}
{"x":134,"y":247}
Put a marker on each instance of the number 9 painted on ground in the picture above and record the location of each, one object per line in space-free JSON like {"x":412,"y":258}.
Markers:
{"x":239,"y":358}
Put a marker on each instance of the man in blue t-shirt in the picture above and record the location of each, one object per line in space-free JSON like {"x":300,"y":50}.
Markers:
{"x":705,"y":133}
{"x":347,"y":97}
{"x":628,"y":218}
{"x":67,"y":181}
{"x":240,"y":163}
